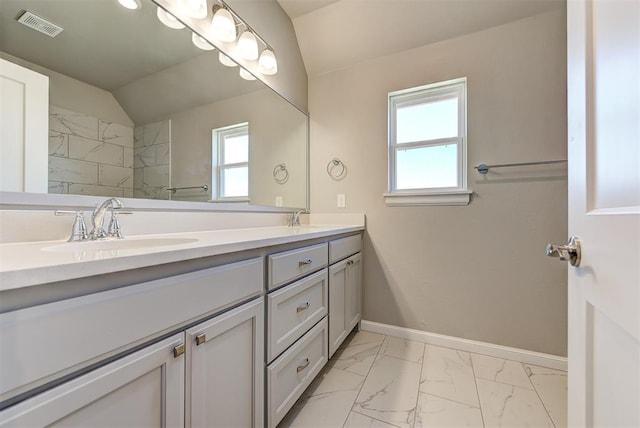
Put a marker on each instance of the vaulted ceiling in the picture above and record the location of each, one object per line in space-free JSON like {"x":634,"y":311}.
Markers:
{"x":332,"y":34}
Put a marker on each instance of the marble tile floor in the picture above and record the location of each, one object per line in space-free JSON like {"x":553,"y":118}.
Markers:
{"x":379,"y":381}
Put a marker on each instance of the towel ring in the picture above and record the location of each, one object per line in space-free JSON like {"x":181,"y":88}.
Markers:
{"x":336,"y":169}
{"x":280,"y":173}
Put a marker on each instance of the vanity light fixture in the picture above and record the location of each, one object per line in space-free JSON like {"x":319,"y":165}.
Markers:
{"x":225,"y":60}
{"x":247,"y":46}
{"x":267,"y":63}
{"x":246,"y":75}
{"x":194,"y":8}
{"x":201,"y":43}
{"x":130,"y":4}
{"x":223,"y":26}
{"x":168,"y":19}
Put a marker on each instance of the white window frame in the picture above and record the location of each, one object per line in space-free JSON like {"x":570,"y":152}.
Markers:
{"x":458,"y":195}
{"x":217,"y":176}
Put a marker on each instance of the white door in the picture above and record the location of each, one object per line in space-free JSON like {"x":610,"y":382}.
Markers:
{"x":24,"y":129}
{"x":604,"y":212}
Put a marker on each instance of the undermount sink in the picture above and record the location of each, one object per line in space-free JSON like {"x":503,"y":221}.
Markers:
{"x":117,"y":244}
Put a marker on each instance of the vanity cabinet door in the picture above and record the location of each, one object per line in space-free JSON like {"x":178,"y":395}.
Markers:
{"x":345,"y":291}
{"x":143,"y":389}
{"x":225,"y":372}
{"x":353,"y":304}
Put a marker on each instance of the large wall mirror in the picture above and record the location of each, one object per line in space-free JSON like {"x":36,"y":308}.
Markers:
{"x":138,"y":110}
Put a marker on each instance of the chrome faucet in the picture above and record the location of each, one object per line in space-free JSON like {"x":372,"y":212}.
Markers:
{"x":294,"y":218}
{"x":97,"y":218}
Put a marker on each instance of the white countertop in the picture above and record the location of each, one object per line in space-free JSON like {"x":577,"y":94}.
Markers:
{"x":34,"y":263}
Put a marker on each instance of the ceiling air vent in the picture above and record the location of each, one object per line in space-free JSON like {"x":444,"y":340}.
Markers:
{"x":34,"y":21}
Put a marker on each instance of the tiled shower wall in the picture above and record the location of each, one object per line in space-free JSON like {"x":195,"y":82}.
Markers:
{"x":89,"y":156}
{"x":151,"y":160}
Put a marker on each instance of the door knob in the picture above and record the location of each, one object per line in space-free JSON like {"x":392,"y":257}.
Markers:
{"x":570,"y":252}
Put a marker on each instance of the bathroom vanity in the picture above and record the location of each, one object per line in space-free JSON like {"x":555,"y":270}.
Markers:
{"x":221,"y":328}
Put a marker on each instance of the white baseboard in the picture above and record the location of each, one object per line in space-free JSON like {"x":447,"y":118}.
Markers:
{"x":498,"y":351}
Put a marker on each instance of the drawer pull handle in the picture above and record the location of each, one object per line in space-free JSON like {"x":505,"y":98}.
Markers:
{"x":303,"y":366}
{"x":201,"y":338}
{"x":305,"y":262}
{"x":178,"y":350}
{"x":303,"y":307}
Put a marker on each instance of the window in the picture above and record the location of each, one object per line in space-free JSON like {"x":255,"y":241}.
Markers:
{"x":427,"y":145}
{"x":231,"y":162}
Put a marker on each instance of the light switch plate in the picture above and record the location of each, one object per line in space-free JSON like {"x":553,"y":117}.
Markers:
{"x":341,"y":201}
{"x":278,"y":201}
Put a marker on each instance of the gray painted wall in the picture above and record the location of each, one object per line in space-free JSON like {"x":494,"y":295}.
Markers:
{"x":476,"y":271}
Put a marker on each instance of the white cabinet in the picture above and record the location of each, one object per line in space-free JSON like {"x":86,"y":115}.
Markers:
{"x":225,"y":373}
{"x":143,"y":389}
{"x":207,"y":374}
{"x":345,"y":299}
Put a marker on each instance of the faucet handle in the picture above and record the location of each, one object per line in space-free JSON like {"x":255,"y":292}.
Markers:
{"x":114,"y":225}
{"x":79,"y":228}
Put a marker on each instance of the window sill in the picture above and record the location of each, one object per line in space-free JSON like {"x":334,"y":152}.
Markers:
{"x":454,"y":197}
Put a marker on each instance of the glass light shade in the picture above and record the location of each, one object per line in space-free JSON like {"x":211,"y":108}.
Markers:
{"x":201,"y":43}
{"x":223,"y":27}
{"x":130,"y":4}
{"x":247,"y":45}
{"x":194,"y":8}
{"x":267,"y":64}
{"x":225,"y":60}
{"x":246,"y":75}
{"x":169,"y":20}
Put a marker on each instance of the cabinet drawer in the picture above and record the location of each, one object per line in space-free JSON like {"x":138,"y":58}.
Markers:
{"x":292,"y":310}
{"x":75,"y":333}
{"x":290,"y":374}
{"x":344,"y":247}
{"x":289,"y":265}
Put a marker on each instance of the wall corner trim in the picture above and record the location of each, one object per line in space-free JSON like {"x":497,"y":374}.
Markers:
{"x":493,"y":350}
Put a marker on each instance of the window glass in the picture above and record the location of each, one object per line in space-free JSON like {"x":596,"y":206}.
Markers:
{"x":427,"y":121}
{"x":236,"y":182}
{"x":427,"y":167}
{"x":236,"y":149}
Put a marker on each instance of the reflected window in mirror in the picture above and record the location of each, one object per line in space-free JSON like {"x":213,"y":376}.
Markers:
{"x":231,"y":162}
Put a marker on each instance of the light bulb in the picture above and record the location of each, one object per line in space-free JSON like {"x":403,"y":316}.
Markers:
{"x":246,"y":75}
{"x":225,"y":60}
{"x":130,"y":4}
{"x":223,"y":26}
{"x":247,"y":46}
{"x":169,"y":20}
{"x":195,"y":8}
{"x":201,"y":43}
{"x":267,"y":64}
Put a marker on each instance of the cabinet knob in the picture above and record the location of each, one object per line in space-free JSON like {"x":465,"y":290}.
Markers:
{"x":304,"y":262}
{"x":303,"y":307}
{"x":178,"y":350}
{"x":303,"y":365}
{"x":201,"y":338}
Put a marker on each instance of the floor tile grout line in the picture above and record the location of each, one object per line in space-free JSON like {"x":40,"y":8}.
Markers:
{"x":415,"y":409}
{"x":452,"y":401}
{"x":375,"y":419}
{"x":475,"y":382}
{"x":365,"y":379}
{"x":539,"y":397}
